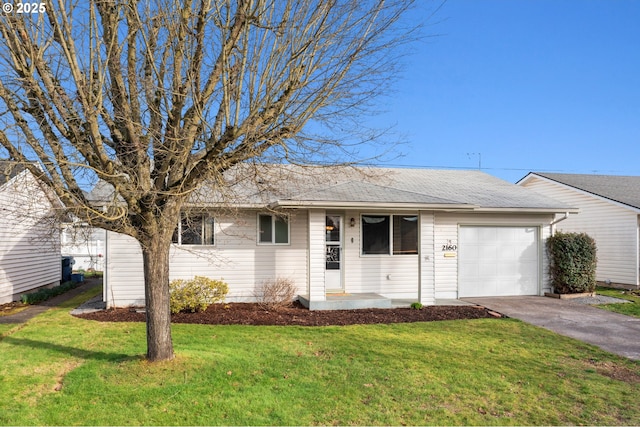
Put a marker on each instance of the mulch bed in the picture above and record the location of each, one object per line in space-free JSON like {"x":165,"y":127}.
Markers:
{"x":296,"y":314}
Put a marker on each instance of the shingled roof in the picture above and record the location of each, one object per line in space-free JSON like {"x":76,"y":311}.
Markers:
{"x":291,"y":186}
{"x":618,"y":188}
{"x":8,"y":170}
{"x":426,"y":188}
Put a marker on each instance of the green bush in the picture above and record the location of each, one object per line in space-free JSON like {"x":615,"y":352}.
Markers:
{"x":416,"y":306}
{"x":196,"y":294}
{"x":572,"y":262}
{"x":44,"y":294}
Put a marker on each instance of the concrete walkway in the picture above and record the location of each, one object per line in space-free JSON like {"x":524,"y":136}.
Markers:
{"x":33,"y":310}
{"x":613,"y":332}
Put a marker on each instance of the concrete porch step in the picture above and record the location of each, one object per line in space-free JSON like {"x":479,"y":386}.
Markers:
{"x":346,"y":301}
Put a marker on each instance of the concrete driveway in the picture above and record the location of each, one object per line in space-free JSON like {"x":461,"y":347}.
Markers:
{"x":613,"y":332}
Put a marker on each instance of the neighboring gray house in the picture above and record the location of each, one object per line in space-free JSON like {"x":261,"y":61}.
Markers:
{"x":609,"y":212}
{"x":369,"y":234}
{"x":29,"y":241}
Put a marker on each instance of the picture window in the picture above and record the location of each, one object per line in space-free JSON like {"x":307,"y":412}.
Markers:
{"x":389,"y":234}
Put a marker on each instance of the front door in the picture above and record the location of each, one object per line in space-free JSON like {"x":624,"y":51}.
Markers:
{"x":333,"y":243}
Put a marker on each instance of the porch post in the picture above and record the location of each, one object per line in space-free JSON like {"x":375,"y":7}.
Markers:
{"x":426,"y":259}
{"x":316,"y":255}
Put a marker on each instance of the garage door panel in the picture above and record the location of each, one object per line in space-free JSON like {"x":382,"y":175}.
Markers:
{"x":470,"y":269}
{"x":530,"y":253}
{"x":507,"y":253}
{"x":487,"y":270}
{"x":498,"y":261}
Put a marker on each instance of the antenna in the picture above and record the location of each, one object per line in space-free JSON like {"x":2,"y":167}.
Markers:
{"x":479,"y":158}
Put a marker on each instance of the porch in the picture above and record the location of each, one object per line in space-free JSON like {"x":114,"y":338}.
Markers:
{"x":353,"y":301}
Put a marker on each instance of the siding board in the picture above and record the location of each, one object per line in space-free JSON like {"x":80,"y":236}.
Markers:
{"x":446,"y":232}
{"x":29,"y":244}
{"x":426,"y":262}
{"x":613,"y":227}
{"x":235,"y":258}
{"x":392,"y":276}
{"x":242,"y":263}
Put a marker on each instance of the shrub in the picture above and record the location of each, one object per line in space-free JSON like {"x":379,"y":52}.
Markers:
{"x":274,"y":293}
{"x":572,"y":262}
{"x":416,"y":306}
{"x":44,"y":294}
{"x":196,"y":294}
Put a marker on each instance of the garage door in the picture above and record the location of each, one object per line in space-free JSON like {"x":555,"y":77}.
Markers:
{"x":497,"y":261}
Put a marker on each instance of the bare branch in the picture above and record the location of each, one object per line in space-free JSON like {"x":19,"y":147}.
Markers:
{"x":153,"y":98}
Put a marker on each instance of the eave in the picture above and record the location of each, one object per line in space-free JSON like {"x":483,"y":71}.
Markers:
{"x":525,"y":210}
{"x":326,"y":204}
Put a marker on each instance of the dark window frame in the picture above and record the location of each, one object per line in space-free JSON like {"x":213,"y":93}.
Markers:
{"x":393,"y":239}
{"x":271,"y":234}
{"x":186,"y":230}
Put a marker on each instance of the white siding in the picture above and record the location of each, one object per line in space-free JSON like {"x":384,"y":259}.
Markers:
{"x":29,"y":243}
{"x":427,"y":271}
{"x":392,"y":276}
{"x":614,"y":228}
{"x":316,"y":288}
{"x":124,"y":277}
{"x":85,"y":244}
{"x":446,"y":234}
{"x":242,"y":263}
{"x":235,"y":258}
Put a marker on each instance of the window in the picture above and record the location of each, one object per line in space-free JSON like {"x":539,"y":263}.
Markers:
{"x":405,"y":235}
{"x":194,"y":230}
{"x":273,"y":229}
{"x":375,"y":234}
{"x":380,"y":238}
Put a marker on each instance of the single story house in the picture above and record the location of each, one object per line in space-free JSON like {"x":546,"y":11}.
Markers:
{"x":344,"y":233}
{"x":609,"y":212}
{"x":29,"y":240}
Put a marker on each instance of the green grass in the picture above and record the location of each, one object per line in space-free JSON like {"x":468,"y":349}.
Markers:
{"x":630,"y":309}
{"x":61,"y":370}
{"x":89,"y":274}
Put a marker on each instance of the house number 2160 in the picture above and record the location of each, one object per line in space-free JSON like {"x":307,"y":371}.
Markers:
{"x":449,"y":247}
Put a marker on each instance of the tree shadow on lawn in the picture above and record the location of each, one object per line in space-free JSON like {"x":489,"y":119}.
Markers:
{"x":71,"y":351}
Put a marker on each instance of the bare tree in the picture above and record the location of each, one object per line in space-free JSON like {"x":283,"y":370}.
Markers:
{"x":154,"y":97}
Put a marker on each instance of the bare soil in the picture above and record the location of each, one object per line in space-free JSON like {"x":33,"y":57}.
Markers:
{"x":296,"y":314}
{"x":12,"y":308}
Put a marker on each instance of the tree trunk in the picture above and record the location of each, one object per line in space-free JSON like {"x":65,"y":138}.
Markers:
{"x":155,"y":254}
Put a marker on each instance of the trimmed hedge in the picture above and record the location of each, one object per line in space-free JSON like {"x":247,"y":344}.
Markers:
{"x":46,"y":293}
{"x":572,"y":262}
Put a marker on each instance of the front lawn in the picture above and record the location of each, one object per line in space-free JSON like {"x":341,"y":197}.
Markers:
{"x":58,"y":370}
{"x":630,"y":309}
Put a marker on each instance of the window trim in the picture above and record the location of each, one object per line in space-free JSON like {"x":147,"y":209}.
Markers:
{"x":274,"y":218}
{"x":390,"y":251}
{"x":203,"y":217}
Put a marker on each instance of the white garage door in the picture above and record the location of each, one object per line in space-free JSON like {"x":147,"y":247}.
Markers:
{"x":497,"y":261}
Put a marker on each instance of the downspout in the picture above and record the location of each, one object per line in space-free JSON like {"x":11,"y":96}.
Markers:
{"x":105,"y":272}
{"x":552,"y":230}
{"x":555,"y":221}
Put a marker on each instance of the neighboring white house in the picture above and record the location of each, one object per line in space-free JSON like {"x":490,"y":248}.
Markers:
{"x":29,"y":242}
{"x":85,"y":244}
{"x":609,"y":212}
{"x":398,"y":234}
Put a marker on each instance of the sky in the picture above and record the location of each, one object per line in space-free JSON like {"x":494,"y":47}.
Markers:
{"x":513,"y":86}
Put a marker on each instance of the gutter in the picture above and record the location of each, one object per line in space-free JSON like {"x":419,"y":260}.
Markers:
{"x":557,"y":220}
{"x":292,"y":204}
